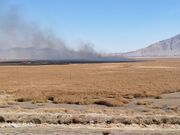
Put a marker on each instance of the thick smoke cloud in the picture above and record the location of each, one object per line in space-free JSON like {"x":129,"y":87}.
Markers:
{"x":20,"y":39}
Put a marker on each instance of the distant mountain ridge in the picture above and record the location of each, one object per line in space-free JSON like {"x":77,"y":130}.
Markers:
{"x":165,"y":48}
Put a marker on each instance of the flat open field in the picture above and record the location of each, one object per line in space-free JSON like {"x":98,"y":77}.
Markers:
{"x":110,"y":84}
{"x":147,"y":95}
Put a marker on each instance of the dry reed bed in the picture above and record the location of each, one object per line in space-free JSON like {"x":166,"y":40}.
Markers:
{"x":109,"y":84}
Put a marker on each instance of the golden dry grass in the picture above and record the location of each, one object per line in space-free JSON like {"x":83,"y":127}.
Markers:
{"x":90,"y":83}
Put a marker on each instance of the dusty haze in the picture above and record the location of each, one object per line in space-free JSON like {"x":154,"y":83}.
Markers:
{"x":20,"y":39}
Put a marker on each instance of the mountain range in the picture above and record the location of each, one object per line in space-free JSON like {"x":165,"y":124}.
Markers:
{"x":165,"y":48}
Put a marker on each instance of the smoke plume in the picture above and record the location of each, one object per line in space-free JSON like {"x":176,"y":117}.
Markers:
{"x":20,"y":39}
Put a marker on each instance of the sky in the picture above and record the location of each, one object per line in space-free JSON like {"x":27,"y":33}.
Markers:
{"x":113,"y":26}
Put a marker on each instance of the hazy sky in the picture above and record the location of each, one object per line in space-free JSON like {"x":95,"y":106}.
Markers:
{"x":112,"y":25}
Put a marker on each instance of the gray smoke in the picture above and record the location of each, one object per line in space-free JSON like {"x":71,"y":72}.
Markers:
{"x":20,"y":39}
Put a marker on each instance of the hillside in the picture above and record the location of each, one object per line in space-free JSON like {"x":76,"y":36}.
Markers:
{"x":166,"y":48}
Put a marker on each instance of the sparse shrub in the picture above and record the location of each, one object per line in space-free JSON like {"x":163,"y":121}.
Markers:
{"x":78,"y":103}
{"x":129,"y":96}
{"x":108,"y":102}
{"x":103,"y":102}
{"x":109,"y":121}
{"x":165,"y":120}
{"x":148,"y":121}
{"x":55,"y":102}
{"x":125,"y":101}
{"x":11,"y":121}
{"x":138,"y":120}
{"x":125,"y":121}
{"x":81,"y":119}
{"x":67,"y":122}
{"x":38,"y":101}
{"x":106,"y":132}
{"x":156,"y":121}
{"x":152,"y":120}
{"x":64,"y":119}
{"x":36,"y":121}
{"x":76,"y":120}
{"x":20,"y":100}
{"x":138,"y":95}
{"x":173,"y":108}
{"x":33,"y":102}
{"x":50,"y":98}
{"x":2,"y":119}
{"x":143,"y":103}
{"x":158,"y":97}
{"x":174,"y":120}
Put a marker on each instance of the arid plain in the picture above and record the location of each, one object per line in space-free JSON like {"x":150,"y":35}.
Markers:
{"x":107,"y":98}
{"x":91,"y":83}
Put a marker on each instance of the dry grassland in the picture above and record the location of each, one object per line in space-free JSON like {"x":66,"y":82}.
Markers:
{"x":110,"y":84}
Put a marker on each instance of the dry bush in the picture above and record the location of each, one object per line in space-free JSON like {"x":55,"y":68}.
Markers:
{"x":173,"y":108}
{"x":106,"y":132}
{"x":22,"y":99}
{"x":143,"y":102}
{"x":36,"y":121}
{"x":2,"y":119}
{"x":158,"y":97}
{"x":111,"y":102}
{"x":107,"y":103}
{"x":39,"y":101}
{"x":50,"y":98}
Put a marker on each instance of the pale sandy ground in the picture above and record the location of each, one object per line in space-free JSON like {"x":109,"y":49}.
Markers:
{"x":159,"y":116}
{"x":45,"y":129}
